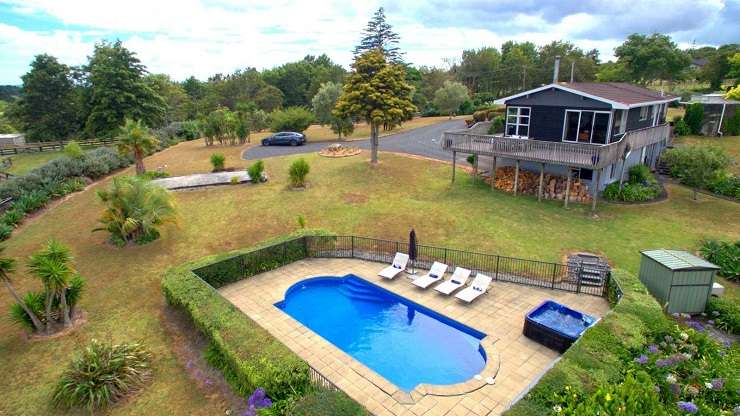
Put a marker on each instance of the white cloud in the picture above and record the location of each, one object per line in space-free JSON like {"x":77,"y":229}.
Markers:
{"x":201,"y":38}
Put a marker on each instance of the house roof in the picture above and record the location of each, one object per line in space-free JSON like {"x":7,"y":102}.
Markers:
{"x":679,"y":260}
{"x":620,"y":95}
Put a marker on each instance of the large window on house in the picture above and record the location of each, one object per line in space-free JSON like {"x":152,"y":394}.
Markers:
{"x":517,"y":121}
{"x":583,"y":126}
{"x":644,"y":113}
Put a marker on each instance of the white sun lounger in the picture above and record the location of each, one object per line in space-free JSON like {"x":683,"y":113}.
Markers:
{"x":458,"y":280}
{"x":398,"y":265}
{"x":436,"y":273}
{"x":478,"y":287}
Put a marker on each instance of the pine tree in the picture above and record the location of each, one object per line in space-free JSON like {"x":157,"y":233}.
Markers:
{"x":379,"y":35}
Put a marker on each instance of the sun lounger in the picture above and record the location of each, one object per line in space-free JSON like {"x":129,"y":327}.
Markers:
{"x":458,"y":280}
{"x":435,"y":275}
{"x":478,"y":287}
{"x":398,"y":265}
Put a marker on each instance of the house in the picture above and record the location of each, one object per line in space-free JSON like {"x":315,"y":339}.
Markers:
{"x":592,"y":131}
{"x":698,"y":63}
{"x":716,"y":110}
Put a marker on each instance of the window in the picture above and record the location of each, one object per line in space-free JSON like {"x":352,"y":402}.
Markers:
{"x":586,"y":126}
{"x":517,"y":121}
{"x":644,"y":112}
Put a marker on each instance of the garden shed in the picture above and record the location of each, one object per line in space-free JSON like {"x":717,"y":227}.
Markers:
{"x":680,"y":281}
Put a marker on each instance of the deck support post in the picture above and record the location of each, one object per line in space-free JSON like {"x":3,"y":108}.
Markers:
{"x":567,"y":186}
{"x":596,"y":191}
{"x":516,"y":178}
{"x":493,"y":173}
{"x":542,"y":178}
{"x":621,"y":174}
{"x":454,"y":159}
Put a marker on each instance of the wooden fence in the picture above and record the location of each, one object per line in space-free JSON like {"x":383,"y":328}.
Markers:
{"x":15,"y":149}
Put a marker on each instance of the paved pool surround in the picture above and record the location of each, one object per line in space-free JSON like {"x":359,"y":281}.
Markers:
{"x":513,"y":361}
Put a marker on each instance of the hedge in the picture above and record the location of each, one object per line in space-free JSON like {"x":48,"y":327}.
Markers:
{"x":598,"y":357}
{"x":246,"y":353}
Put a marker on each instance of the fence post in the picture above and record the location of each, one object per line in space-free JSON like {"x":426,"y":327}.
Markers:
{"x":578,"y":278}
{"x":353,"y":246}
{"x":554,"y":271}
{"x":305,"y":246}
{"x":285,"y":251}
{"x":498,"y":259}
{"x":445,"y":262}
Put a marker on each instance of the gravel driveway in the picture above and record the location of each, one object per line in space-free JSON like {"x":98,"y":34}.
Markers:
{"x":424,"y":141}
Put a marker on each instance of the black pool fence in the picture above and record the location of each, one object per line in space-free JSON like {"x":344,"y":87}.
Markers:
{"x":572,"y":277}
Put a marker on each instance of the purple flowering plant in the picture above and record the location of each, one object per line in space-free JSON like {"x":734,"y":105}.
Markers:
{"x":258,"y":400}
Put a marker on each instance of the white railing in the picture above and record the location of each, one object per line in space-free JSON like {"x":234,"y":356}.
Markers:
{"x":569,"y":154}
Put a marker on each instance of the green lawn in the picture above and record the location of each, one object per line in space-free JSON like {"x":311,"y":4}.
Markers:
{"x":124,"y":301}
{"x":24,"y":162}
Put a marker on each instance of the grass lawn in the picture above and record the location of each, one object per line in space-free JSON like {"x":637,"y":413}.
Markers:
{"x":24,"y":162}
{"x":316,"y":133}
{"x":123,"y":300}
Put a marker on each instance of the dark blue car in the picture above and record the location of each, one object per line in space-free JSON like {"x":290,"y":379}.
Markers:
{"x":288,"y":138}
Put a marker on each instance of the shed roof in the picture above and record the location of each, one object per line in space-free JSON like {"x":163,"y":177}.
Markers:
{"x":679,"y":260}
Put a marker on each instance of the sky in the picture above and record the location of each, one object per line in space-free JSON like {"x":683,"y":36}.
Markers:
{"x":201,"y":38}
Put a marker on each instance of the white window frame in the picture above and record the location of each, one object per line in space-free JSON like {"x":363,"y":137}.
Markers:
{"x":644,"y":109}
{"x":591,"y":137}
{"x":518,"y":123}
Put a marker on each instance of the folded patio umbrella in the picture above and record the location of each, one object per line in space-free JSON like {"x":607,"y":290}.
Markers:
{"x":412,"y":249}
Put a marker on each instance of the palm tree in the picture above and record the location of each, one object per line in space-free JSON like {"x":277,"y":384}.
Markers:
{"x":52,"y":266}
{"x":135,"y":209}
{"x":136,"y":138}
{"x":7,"y":266}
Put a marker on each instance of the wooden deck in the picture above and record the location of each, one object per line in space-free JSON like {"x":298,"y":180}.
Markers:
{"x":573,"y":155}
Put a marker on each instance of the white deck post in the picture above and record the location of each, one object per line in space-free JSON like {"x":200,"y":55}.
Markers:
{"x":516,"y":178}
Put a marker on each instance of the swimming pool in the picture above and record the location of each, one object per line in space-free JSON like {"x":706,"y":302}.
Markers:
{"x":401,"y":340}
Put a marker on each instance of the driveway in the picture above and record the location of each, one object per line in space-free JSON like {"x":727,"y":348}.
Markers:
{"x":424,"y":141}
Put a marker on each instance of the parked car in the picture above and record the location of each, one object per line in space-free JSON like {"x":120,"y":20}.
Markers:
{"x":285,"y":138}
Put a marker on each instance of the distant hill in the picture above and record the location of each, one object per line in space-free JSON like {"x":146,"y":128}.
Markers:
{"x":7,"y":92}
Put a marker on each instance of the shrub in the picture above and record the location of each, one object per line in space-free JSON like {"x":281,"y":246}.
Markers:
{"x":694,"y":117}
{"x":234,"y":180}
{"x":641,"y":174}
{"x":725,"y":313}
{"x":73,"y":150}
{"x":188,"y":130}
{"x":697,"y":166}
{"x":12,"y":217}
{"x":727,"y":185}
{"x":479,"y":116}
{"x":36,"y":301}
{"x":681,"y":128}
{"x":724,"y":254}
{"x":5,"y":231}
{"x":255,"y":171}
{"x":301,"y":221}
{"x":291,"y":119}
{"x":497,"y":125}
{"x":135,"y":209}
{"x":635,"y":396}
{"x":217,"y":161}
{"x":326,"y":403}
{"x":101,"y":375}
{"x":466,"y":107}
{"x":298,"y":172}
{"x":472,"y":160}
{"x":154,"y":174}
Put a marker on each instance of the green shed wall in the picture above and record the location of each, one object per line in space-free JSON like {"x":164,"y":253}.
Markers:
{"x":656,"y":278}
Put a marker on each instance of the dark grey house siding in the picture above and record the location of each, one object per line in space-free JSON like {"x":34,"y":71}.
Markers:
{"x":633,"y":119}
{"x":560,"y":98}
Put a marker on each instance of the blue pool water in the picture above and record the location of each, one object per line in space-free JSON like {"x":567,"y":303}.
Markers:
{"x":402,"y":341}
{"x":561,"y":319}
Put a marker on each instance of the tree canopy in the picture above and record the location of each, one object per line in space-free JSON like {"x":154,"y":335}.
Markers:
{"x":450,"y":97}
{"x":377,"y":92}
{"x":648,"y":58}
{"x":379,"y":34}
{"x":49,"y":108}
{"x":117,"y":90}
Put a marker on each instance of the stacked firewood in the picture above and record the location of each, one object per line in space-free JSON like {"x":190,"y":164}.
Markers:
{"x":553,"y":186}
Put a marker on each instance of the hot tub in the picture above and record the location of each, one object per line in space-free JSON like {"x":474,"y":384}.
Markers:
{"x":556,"y":326}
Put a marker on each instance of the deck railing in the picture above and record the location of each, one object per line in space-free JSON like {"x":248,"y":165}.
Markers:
{"x":501,"y":268}
{"x":580,"y":155}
